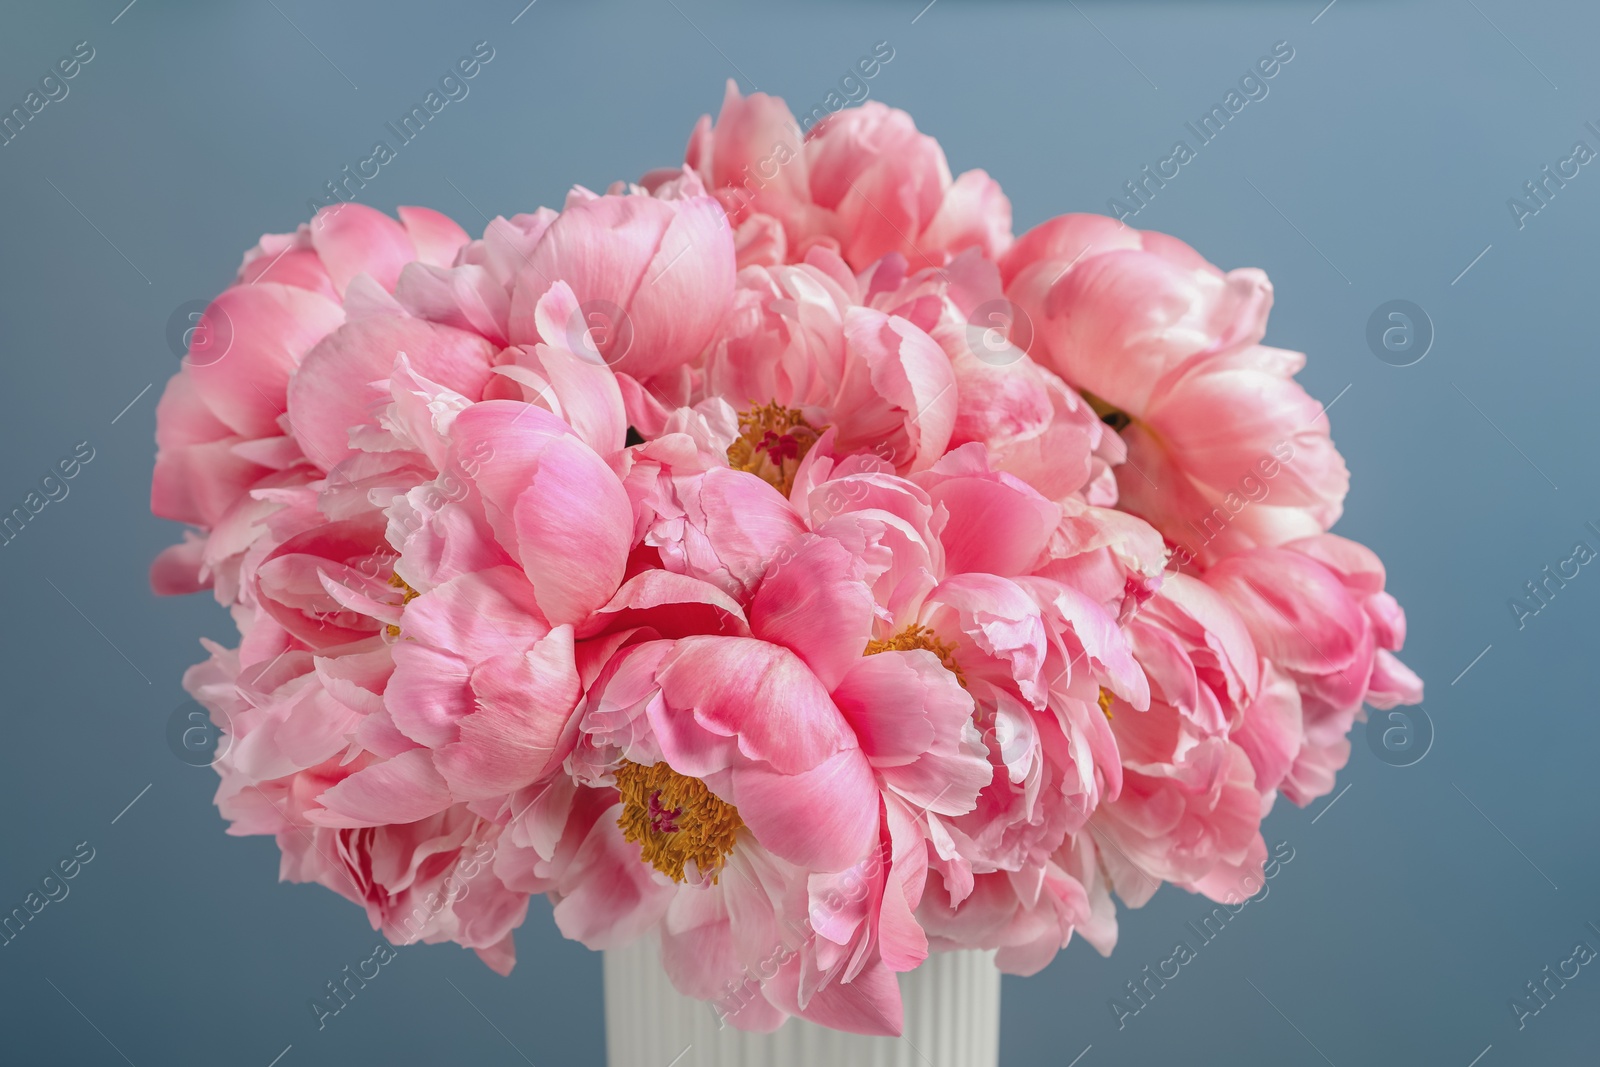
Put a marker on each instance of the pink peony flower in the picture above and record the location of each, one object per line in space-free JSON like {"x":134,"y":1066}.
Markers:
{"x":864,"y":182}
{"x":291,"y":717}
{"x":1188,"y":811}
{"x":654,"y":275}
{"x":802,"y":355}
{"x":218,"y":426}
{"x":770,"y":558}
{"x":1225,"y":450}
{"x":903,"y":570}
{"x":1317,"y":608}
{"x":729,"y":751}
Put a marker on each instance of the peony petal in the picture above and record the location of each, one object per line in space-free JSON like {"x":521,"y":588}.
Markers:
{"x":435,"y":237}
{"x":344,"y":378}
{"x":243,"y":371}
{"x":399,"y":790}
{"x":813,"y":601}
{"x":523,"y":701}
{"x":761,"y":693}
{"x":354,"y":239}
{"x":822,"y":819}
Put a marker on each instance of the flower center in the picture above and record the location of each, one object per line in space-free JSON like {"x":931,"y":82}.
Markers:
{"x":916,"y":636}
{"x":407,"y":596}
{"x":771,"y":443}
{"x":1105,"y":702}
{"x":675,"y":820}
{"x":1110,"y":414}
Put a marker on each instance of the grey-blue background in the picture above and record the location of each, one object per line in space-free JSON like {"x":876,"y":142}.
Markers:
{"x":1381,"y":162}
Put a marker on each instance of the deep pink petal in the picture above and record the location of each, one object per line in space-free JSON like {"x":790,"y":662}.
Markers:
{"x":243,"y":370}
{"x":760,"y":692}
{"x":814,"y":601}
{"x":822,"y":819}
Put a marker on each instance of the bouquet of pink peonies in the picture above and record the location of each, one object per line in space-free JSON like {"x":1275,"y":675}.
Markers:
{"x":770,"y":555}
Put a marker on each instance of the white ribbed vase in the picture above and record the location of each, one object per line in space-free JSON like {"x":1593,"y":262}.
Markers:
{"x":952,"y":1019}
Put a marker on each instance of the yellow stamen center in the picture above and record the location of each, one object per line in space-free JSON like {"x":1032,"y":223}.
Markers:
{"x":916,"y":636}
{"x":771,"y":443}
{"x":675,"y":819}
{"x":1105,"y":702}
{"x":406,"y":597}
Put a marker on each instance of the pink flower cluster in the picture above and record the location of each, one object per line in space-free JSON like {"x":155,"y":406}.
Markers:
{"x":710,"y":557}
